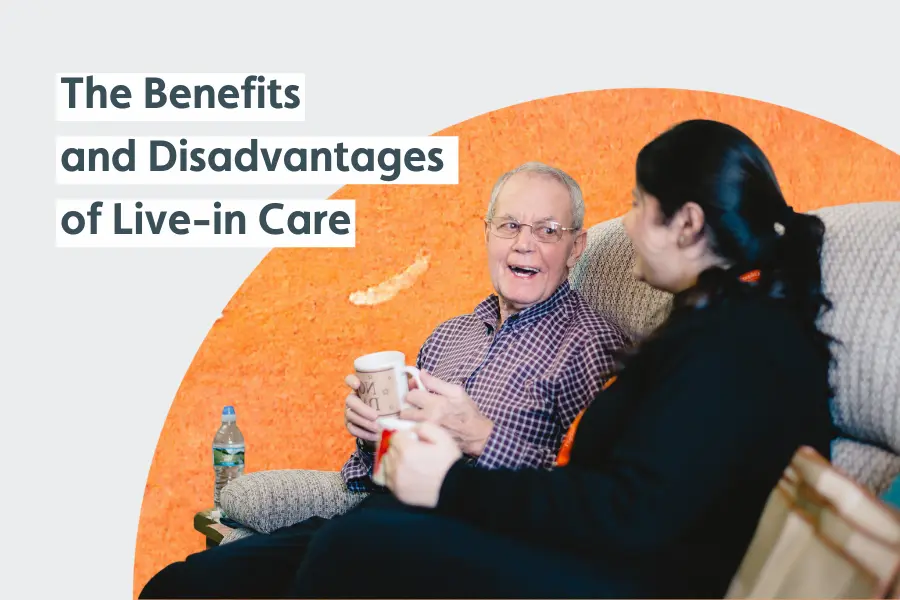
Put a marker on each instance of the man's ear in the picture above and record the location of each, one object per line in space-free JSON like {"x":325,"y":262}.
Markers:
{"x":487,"y":232}
{"x":577,"y":249}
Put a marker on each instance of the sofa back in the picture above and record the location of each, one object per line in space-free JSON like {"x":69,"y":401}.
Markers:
{"x":603,"y":275}
{"x":862,"y":277}
{"x":861,"y":270}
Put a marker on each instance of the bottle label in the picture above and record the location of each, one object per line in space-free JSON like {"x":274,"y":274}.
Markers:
{"x":228,"y":457}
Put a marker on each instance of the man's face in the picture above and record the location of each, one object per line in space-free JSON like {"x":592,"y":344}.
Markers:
{"x":525,"y":271}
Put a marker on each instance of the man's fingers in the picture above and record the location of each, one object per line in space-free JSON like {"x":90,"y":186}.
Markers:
{"x":362,"y":422}
{"x":352,"y":381}
{"x":413,"y":414}
{"x":362,"y":434}
{"x":355,"y":404}
{"x":419,"y":398}
{"x":439,"y":386}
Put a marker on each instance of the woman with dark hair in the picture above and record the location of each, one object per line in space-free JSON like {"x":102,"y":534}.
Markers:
{"x":672,"y":465}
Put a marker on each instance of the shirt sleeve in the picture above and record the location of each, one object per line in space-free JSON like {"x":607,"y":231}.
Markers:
{"x":592,"y":365}
{"x":356,"y":472}
{"x":505,"y":448}
{"x":683,"y":446}
{"x":422,"y":357}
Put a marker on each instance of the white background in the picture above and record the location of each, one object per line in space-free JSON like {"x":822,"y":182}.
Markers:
{"x":95,"y":342}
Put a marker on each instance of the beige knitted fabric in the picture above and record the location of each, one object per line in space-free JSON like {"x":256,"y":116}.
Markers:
{"x":870,"y":466}
{"x":604,"y":277}
{"x":862,"y":278}
{"x":236,"y":534}
{"x":269,"y":500}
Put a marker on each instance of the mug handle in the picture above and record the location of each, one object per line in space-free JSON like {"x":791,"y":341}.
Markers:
{"x":415,"y":374}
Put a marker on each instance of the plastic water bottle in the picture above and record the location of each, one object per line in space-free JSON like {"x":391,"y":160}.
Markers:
{"x":228,"y":452}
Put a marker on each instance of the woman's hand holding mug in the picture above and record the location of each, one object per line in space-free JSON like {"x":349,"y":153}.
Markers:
{"x":416,"y":462}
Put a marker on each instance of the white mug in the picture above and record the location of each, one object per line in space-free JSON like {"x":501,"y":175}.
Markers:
{"x":383,"y":381}
{"x":389,"y":426}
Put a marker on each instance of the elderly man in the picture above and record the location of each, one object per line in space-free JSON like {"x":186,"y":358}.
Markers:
{"x":505,"y":381}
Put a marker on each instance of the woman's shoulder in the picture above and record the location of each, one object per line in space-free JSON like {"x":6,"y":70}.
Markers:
{"x":746,"y":316}
{"x":753,"y":329}
{"x":746,"y":339}
{"x":770,"y":321}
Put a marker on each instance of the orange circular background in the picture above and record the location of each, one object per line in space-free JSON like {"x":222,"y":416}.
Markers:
{"x":289,"y":335}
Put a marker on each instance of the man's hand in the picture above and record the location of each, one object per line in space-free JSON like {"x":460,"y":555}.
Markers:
{"x":449,"y":406}
{"x":414,"y":469}
{"x":359,"y":417}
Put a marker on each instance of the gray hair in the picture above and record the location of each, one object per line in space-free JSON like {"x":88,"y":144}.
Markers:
{"x":539,"y":168}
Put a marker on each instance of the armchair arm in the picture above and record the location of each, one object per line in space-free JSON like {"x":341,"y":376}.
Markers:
{"x":269,"y":500}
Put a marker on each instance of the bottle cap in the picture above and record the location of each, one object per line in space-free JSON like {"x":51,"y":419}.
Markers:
{"x":228,"y":415}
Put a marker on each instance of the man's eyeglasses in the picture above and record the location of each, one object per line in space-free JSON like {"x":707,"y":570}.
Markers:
{"x":542,"y":231}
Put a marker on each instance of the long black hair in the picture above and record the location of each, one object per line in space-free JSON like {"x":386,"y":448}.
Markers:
{"x":748,"y":223}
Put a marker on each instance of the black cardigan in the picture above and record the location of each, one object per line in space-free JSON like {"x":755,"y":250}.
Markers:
{"x":671,"y":466}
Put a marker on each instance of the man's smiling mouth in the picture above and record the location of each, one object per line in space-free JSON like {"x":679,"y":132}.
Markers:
{"x":524,"y":272}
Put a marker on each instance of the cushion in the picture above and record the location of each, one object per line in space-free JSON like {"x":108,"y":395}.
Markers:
{"x":238,"y":533}
{"x":604,"y":278}
{"x":266,"y":501}
{"x":861,"y":264}
{"x":871,"y":466}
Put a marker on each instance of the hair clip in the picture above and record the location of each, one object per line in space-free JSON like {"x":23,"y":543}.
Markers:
{"x":750,"y":276}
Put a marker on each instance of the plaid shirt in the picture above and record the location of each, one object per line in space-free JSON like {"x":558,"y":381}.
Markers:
{"x":531,"y":376}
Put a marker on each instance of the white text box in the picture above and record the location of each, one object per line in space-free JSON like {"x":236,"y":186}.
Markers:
{"x":205,"y":223}
{"x":256,"y":160}
{"x":184,"y":97}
